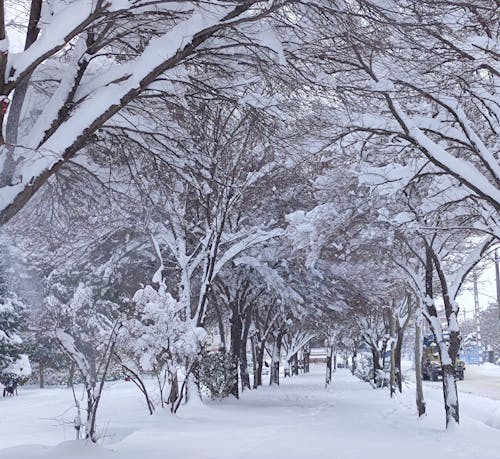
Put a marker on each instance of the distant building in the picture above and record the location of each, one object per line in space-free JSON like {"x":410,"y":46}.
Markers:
{"x":471,"y":351}
{"x":318,"y":355}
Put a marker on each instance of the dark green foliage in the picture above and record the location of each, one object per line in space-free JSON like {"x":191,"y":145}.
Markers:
{"x":11,"y":321}
{"x":217,"y":373}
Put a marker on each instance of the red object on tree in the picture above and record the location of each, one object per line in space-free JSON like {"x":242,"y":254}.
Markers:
{"x":4,"y":105}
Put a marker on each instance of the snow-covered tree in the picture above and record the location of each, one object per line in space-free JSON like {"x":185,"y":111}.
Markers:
{"x":12,"y":321}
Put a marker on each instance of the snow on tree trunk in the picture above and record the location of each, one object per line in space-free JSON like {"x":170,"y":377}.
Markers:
{"x":275,"y":359}
{"x":419,"y":393}
{"x":392,"y":381}
{"x":450,"y":395}
{"x":397,"y":360}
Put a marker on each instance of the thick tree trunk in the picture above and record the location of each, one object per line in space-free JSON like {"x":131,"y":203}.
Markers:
{"x":450,"y":395}
{"x":354,"y":357}
{"x":448,"y":353}
{"x":307,"y":355}
{"x":18,"y":98}
{"x":418,"y":368}
{"x":244,"y":376}
{"x":275,"y":360}
{"x":236,"y":332}
{"x":259,"y":351}
{"x":295,"y":364}
{"x":376,"y":362}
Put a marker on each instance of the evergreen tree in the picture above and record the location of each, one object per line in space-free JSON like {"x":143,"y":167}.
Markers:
{"x":11,"y":319}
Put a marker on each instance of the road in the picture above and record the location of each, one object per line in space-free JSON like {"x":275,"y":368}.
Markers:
{"x":479,"y":380}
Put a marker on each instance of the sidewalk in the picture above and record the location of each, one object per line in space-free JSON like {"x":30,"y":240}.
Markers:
{"x":300,"y":419}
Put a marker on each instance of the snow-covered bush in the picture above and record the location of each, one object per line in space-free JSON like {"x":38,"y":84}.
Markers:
{"x":158,"y":339}
{"x":217,"y":373}
{"x":10,"y":341}
{"x":364,"y":371}
{"x":18,"y":371}
{"x":364,"y":367}
{"x":12,"y":316}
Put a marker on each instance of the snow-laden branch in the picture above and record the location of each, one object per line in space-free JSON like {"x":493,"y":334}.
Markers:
{"x":68,"y":344}
{"x":128,"y":81}
{"x":257,"y":237}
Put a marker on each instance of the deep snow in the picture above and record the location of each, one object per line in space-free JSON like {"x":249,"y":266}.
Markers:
{"x":300,"y":419}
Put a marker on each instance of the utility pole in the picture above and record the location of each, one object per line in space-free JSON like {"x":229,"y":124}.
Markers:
{"x":476,"y":317}
{"x":497,"y":278}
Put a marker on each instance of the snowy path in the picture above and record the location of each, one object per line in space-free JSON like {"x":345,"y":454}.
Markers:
{"x":298,"y":420}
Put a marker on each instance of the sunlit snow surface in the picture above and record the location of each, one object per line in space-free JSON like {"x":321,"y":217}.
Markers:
{"x":300,"y":419}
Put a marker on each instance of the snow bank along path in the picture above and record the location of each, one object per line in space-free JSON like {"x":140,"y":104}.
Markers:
{"x":300,"y":419}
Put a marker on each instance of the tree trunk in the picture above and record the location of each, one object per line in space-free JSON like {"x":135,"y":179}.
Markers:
{"x":328,"y":375}
{"x":392,"y":384}
{"x":18,"y":98}
{"x":41,"y":375}
{"x":220,"y":323}
{"x":71,"y":375}
{"x":259,"y":364}
{"x":275,"y":361}
{"x":450,"y":395}
{"x":245,"y":377}
{"x":397,"y":360}
{"x":295,"y":364}
{"x":236,"y":331}
{"x":448,"y":353}
{"x":418,"y":367}
{"x":376,"y":362}
{"x":354,"y":357}
{"x":307,"y":354}
{"x":174,"y":390}
{"x":253,"y":344}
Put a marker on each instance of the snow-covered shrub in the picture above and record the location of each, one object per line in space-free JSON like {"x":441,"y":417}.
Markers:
{"x":382,"y":378}
{"x":11,"y":321}
{"x":158,"y":339}
{"x":364,"y":371}
{"x":364,"y":367}
{"x":160,"y":335}
{"x":217,"y":373}
{"x":19,"y":371}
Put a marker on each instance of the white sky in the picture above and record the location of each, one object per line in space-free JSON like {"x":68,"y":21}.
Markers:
{"x":486,"y":289}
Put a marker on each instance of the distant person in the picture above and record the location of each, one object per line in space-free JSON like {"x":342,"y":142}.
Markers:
{"x":10,"y":388}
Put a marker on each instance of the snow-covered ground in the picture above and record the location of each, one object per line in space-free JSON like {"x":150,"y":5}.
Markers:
{"x":300,"y":419}
{"x":479,"y":393}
